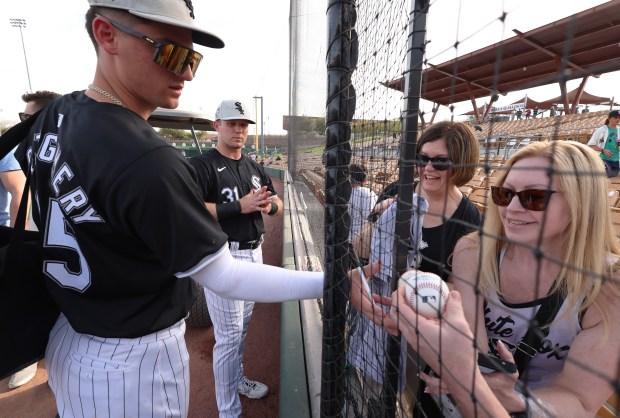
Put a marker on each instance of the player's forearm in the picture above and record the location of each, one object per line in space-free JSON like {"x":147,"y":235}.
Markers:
{"x":212,"y":209}
{"x":234,"y":279}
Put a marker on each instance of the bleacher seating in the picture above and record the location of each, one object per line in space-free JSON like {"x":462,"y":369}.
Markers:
{"x":578,"y":127}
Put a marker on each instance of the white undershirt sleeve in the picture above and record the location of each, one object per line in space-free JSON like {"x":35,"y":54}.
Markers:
{"x":234,"y":279}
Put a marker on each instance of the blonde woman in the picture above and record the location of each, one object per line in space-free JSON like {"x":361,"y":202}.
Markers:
{"x":548,"y":229}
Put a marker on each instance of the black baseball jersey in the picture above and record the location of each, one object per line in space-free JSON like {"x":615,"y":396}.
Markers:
{"x":120,"y":216}
{"x":223,"y":180}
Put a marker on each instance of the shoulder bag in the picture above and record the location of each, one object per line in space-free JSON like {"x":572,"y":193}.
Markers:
{"x":27,"y":311}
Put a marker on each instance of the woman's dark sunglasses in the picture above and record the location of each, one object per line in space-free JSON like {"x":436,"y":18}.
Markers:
{"x":169,"y":56}
{"x":438,"y":163}
{"x":530,"y":199}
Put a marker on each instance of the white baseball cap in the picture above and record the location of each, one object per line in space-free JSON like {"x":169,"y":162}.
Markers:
{"x":178,"y":13}
{"x":233,"y":109}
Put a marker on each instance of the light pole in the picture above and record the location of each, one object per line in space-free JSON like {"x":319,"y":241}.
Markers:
{"x":21,"y":23}
{"x":262,"y":136}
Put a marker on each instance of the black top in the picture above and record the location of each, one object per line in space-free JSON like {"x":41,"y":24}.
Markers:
{"x":224,"y":181}
{"x":120,"y":215}
{"x":442,"y":239}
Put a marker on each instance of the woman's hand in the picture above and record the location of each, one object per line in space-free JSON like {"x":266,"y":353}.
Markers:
{"x":360,"y":298}
{"x":503,"y":384}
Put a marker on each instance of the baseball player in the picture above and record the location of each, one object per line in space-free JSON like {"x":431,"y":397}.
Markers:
{"x":123,"y":224}
{"x":231,"y":185}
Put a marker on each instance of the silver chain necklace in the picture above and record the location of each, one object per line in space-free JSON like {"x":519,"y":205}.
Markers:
{"x":104,"y":93}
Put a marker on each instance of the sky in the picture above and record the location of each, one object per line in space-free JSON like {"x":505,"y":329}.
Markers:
{"x":255,"y":60}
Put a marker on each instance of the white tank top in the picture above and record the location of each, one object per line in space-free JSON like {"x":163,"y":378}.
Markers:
{"x":509,"y":323}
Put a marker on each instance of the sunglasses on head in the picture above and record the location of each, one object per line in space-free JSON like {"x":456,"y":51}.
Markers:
{"x":169,"y":56}
{"x":530,"y":199}
{"x":23,"y":116}
{"x":438,"y":163}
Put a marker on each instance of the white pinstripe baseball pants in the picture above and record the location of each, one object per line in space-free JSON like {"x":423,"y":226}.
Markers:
{"x":118,"y":377}
{"x":231,"y":319}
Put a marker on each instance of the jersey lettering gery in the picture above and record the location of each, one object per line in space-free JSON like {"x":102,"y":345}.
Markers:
{"x":57,"y":233}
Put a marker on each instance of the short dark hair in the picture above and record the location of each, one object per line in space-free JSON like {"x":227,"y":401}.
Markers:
{"x":122,"y":16}
{"x":463,"y":147}
{"x":358,"y":173}
{"x":40,"y":97}
{"x":612,"y":114}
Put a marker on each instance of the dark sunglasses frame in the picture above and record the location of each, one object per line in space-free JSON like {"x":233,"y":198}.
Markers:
{"x":169,"y":56}
{"x":23,"y":116}
{"x":531,"y":199}
{"x":438,"y":163}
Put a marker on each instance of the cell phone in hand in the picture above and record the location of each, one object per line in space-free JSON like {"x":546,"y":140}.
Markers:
{"x":496,"y":364}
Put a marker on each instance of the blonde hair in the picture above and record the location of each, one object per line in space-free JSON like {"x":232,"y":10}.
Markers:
{"x":590,"y":239}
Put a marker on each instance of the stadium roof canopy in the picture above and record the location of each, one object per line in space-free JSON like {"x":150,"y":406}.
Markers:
{"x":531,"y":59}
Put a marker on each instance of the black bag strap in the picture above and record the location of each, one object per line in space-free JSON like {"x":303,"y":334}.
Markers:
{"x":16,"y":134}
{"x":530,"y":344}
{"x":8,"y":141}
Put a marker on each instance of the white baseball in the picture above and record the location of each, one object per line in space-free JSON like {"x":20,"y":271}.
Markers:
{"x":426,"y":293}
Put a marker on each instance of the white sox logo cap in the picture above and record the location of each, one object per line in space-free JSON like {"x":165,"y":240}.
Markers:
{"x":233,"y":109}
{"x":178,"y":13}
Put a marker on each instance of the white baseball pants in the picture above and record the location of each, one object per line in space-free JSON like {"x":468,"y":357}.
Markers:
{"x":231,"y":319}
{"x":118,"y":377}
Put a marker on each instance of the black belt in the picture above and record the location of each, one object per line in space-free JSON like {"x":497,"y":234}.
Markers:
{"x":248,"y":245}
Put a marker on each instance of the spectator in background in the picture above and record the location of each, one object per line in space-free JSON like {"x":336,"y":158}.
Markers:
{"x":528,"y":113}
{"x":553,"y":111}
{"x":535,"y":111}
{"x":362,"y":199}
{"x":586,"y":109}
{"x":12,"y":181}
{"x":605,"y":141}
{"x":519,"y":114}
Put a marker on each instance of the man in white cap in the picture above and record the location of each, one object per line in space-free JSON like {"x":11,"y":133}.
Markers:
{"x":231,"y":185}
{"x":124,"y":225}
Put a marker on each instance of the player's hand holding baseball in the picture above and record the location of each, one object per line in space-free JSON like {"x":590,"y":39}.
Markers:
{"x":256,"y":200}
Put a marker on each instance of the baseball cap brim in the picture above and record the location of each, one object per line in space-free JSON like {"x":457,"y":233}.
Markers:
{"x":238,"y":118}
{"x":199,"y":36}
